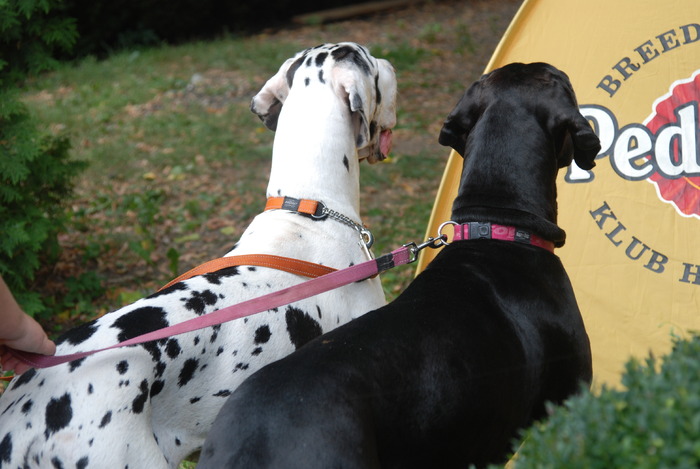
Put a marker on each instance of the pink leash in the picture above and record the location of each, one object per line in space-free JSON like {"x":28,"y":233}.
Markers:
{"x":404,"y":255}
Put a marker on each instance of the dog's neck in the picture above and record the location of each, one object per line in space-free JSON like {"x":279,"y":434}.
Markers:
{"x":510,"y":179}
{"x":314,"y":154}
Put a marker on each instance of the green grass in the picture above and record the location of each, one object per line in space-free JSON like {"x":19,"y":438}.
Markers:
{"x":137,"y":104}
{"x":179,"y":164}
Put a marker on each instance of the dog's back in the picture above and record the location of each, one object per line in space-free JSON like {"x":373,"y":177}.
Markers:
{"x":445,"y":374}
{"x":471,"y":352}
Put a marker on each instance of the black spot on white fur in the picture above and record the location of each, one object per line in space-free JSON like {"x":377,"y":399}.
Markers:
{"x":72,"y":366}
{"x":348,"y":53}
{"x":293,"y":69}
{"x":59,"y":413}
{"x":140,"y":321}
{"x":27,"y":406}
{"x":262,"y":334}
{"x":79,"y":334}
{"x":346,"y":162}
{"x":138,"y":404}
{"x":357,"y":102}
{"x":215,"y":277}
{"x":5,"y":449}
{"x":157,"y":387}
{"x":24,"y":378}
{"x":200,"y":300}
{"x":187,"y":371}
{"x":180,"y":286}
{"x":122,"y":367}
{"x":300,"y":326}
{"x":172,"y":348}
{"x":106,"y":418}
{"x":320,"y":58}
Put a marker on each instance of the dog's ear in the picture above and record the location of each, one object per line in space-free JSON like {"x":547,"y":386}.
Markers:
{"x":267,"y":104}
{"x":577,"y":140}
{"x":585,"y":142}
{"x":352,"y":84}
{"x":455,"y":130}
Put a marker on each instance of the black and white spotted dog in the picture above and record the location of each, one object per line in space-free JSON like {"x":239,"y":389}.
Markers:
{"x":150,"y":406}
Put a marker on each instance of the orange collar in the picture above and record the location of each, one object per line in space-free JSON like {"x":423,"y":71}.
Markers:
{"x":309,"y":207}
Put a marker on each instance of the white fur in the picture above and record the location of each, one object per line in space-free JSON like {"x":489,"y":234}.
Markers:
{"x":315,"y":130}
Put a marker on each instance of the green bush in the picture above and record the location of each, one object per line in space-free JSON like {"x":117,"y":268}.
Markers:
{"x":653,"y":423}
{"x":35,"y":170}
{"x":32,"y":32}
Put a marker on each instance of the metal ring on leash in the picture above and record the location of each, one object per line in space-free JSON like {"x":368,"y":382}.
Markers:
{"x":367,"y":237}
{"x":443,"y":237}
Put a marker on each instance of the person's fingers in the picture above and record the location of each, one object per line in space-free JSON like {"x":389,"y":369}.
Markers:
{"x":47,"y":347}
{"x":9,"y":362}
{"x":32,"y":339}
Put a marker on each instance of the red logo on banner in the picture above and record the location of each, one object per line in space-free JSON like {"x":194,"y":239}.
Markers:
{"x":676,"y":124}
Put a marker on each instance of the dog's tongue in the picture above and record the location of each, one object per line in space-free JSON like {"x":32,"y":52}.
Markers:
{"x":385,"y":142}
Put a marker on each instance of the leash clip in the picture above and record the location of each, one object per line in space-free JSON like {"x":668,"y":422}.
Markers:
{"x":432,"y":243}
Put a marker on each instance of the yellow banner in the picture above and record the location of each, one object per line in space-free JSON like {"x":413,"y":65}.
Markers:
{"x":633,"y":223}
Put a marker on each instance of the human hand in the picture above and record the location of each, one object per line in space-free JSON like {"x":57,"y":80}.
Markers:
{"x":26,"y":335}
{"x":29,"y":337}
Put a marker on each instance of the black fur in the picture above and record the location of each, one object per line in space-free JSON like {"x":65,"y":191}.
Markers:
{"x":447,"y":374}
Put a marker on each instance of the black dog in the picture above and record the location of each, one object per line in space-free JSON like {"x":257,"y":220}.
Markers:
{"x":446,"y":374}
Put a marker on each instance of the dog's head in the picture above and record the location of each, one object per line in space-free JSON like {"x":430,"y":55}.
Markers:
{"x":545,"y":92}
{"x":366,"y":84}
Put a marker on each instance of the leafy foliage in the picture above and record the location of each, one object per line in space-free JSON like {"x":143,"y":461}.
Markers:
{"x":35,"y":169}
{"x":654,"y":422}
{"x":31,"y":31}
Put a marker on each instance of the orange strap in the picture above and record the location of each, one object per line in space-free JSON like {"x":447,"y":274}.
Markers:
{"x":6,"y":378}
{"x":307,"y":206}
{"x":286,"y":264}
